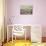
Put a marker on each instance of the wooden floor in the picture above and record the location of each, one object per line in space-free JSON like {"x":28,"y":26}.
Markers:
{"x":18,"y":43}
{"x":23,"y":43}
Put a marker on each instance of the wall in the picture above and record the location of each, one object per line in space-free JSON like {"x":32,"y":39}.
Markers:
{"x":1,"y":21}
{"x":38,"y":16}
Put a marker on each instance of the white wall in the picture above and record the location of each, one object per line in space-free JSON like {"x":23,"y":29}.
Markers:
{"x":38,"y":16}
{"x":1,"y":20}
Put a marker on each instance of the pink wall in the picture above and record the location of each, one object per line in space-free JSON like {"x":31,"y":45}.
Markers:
{"x":38,"y":16}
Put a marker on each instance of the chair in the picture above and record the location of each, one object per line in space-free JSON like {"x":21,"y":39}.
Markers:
{"x":14,"y":31}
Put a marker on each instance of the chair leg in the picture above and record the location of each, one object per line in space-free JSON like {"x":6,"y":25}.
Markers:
{"x":15,"y":38}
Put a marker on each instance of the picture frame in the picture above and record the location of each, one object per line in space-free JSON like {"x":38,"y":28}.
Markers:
{"x":26,"y":10}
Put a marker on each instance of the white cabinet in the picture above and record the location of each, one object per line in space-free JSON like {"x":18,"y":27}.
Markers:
{"x":36,"y":33}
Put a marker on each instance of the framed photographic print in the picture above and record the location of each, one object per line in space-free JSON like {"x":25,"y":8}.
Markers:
{"x":26,"y":10}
